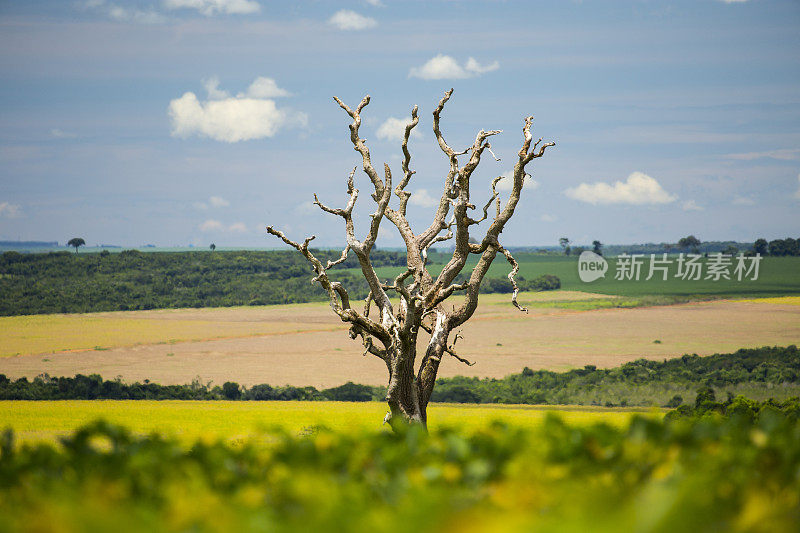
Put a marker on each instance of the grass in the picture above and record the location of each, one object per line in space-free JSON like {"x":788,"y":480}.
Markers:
{"x":778,"y":276}
{"x":189,"y":421}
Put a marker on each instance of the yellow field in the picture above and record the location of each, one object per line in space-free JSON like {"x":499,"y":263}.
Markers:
{"x":781,"y":300}
{"x":43,"y":334}
{"x":190,"y":420}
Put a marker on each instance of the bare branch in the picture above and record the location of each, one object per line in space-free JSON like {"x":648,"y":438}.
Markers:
{"x":452,"y":352}
{"x":407,"y":172}
{"x":340,"y":260}
{"x":514,"y":270}
{"x":360,"y":146}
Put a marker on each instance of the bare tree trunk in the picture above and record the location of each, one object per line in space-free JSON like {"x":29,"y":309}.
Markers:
{"x":392,"y":335}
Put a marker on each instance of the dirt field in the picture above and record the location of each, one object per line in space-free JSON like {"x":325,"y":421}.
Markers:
{"x":307,"y":345}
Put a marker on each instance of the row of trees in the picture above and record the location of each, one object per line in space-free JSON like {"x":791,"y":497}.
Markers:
{"x":94,"y":387}
{"x":761,"y":372}
{"x":778,"y":247}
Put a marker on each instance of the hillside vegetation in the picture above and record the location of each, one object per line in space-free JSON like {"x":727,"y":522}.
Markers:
{"x":63,"y":282}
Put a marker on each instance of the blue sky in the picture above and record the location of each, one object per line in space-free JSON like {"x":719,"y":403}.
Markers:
{"x":195,"y":121}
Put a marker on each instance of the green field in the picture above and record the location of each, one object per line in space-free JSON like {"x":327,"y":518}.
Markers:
{"x":778,"y":276}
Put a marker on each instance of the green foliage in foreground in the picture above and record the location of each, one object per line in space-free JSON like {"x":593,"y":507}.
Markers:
{"x":712,"y":474}
{"x":61,"y":282}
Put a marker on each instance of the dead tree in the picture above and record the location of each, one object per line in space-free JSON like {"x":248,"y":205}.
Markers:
{"x":389,"y":333}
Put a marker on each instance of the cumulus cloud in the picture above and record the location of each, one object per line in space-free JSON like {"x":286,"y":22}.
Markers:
{"x":422,"y":198}
{"x":507,"y":182}
{"x":264,"y":88}
{"x":691,"y":205}
{"x":375,"y":3}
{"x":443,"y":67}
{"x":350,"y":20}
{"x":125,"y":14}
{"x":238,"y":227}
{"x":393,"y":129}
{"x":217,"y":201}
{"x":211,"y":225}
{"x":743,"y":200}
{"x":212,"y":7}
{"x":8,"y":210}
{"x":249,"y":115}
{"x":638,"y":189}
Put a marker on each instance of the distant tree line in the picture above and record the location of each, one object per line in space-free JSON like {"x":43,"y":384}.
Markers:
{"x":669,"y":383}
{"x":706,"y":404}
{"x":778,"y":247}
{"x":765,"y":372}
{"x":61,"y":282}
{"x":94,"y":387}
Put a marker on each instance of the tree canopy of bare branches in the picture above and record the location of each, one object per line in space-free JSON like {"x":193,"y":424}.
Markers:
{"x":391,"y":334}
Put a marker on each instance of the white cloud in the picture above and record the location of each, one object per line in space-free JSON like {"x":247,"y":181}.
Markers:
{"x":212,"y":7}
{"x":8,"y":210}
{"x":217,"y":201}
{"x":743,"y":200}
{"x":375,"y":3}
{"x":691,"y":205}
{"x":264,"y":88}
{"x":211,"y":85}
{"x":638,"y":189}
{"x":548,"y":218}
{"x":60,"y":134}
{"x":350,"y":20}
{"x":232,"y":119}
{"x":125,"y":14}
{"x":393,"y":129}
{"x":211,"y":225}
{"x":788,"y":154}
{"x":507,"y":182}
{"x":733,"y":1}
{"x":422,"y":198}
{"x":443,"y":67}
{"x":238,"y":227}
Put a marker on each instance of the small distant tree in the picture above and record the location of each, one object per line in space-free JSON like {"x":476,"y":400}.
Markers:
{"x":231,"y":391}
{"x":760,"y":246}
{"x":213,"y":246}
{"x":564,"y":242}
{"x":690,"y":242}
{"x":597,"y":247}
{"x":75,"y":242}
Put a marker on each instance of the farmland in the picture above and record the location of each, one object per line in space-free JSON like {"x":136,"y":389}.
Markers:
{"x":213,"y":420}
{"x":305,"y":344}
